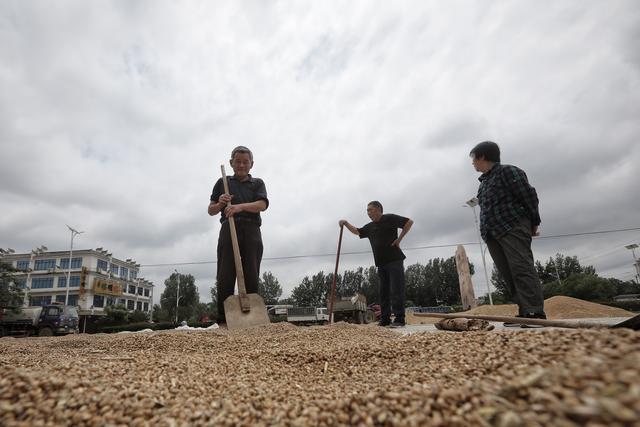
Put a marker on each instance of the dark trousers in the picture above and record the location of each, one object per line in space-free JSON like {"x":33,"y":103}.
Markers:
{"x":514,"y":260}
{"x":392,"y":290}
{"x":250,"y":243}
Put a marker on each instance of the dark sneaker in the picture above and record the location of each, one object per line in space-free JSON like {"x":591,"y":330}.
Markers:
{"x":397,"y":324}
{"x":384,"y":322}
{"x":533,"y":316}
{"x":512,"y":324}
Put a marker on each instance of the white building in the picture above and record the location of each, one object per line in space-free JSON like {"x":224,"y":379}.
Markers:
{"x":97,"y":280}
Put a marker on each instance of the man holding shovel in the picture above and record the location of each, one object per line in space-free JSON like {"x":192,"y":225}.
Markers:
{"x":246,"y":199}
{"x":508,"y":219}
{"x":382,"y":233}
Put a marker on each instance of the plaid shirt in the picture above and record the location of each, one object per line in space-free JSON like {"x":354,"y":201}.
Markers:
{"x":505,"y":197}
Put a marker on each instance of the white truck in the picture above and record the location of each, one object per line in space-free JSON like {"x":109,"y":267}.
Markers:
{"x":307,"y":315}
{"x":44,"y":321}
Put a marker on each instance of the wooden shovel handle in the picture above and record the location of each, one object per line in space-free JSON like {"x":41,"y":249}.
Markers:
{"x":242,"y":290}
{"x":521,"y":320}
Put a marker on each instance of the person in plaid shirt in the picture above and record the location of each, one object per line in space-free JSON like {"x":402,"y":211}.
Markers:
{"x":509,"y":218}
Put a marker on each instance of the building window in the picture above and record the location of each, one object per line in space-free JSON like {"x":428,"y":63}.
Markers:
{"x":130,"y":304}
{"x":73,"y":299}
{"x":140,"y":291}
{"x":22,"y":264}
{"x":41,"y":300}
{"x":114,"y":269}
{"x":42,"y":283}
{"x":75,"y":281}
{"x":111,"y":301}
{"x":45,"y":264}
{"x":133,"y":275}
{"x":124,"y":272}
{"x":21,"y":283}
{"x":103,"y":265}
{"x":146,"y":306}
{"x":122,"y":302}
{"x":132,"y":289}
{"x":146,"y":292}
{"x":75,"y":263}
{"x":139,"y":306}
{"x":98,"y":301}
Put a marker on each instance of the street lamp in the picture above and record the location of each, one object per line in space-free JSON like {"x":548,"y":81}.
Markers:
{"x":472,"y":203}
{"x":37,"y":251}
{"x":74,"y":232}
{"x":633,"y":247}
{"x":177,"y":294}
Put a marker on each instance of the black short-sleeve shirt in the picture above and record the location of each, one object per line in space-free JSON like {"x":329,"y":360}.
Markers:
{"x":381,"y":234}
{"x":250,"y":190}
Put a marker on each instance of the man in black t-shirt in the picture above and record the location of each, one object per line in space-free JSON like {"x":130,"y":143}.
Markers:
{"x":247,"y":199}
{"x":382,"y":233}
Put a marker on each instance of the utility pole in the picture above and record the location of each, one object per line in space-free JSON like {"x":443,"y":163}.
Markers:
{"x":74,"y":232}
{"x":177,"y":294}
{"x":633,"y":248}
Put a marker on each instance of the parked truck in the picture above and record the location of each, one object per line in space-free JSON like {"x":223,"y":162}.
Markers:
{"x":44,"y":321}
{"x":307,"y":315}
{"x":352,"y":309}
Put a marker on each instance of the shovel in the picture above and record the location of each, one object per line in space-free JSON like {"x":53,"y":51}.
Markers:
{"x":242,"y":310}
{"x":631,"y":323}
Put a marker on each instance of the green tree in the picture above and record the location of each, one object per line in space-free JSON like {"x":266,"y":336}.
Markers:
{"x":214,"y":303}
{"x":116,"y":314}
{"x":203,"y":310}
{"x":269,"y":288}
{"x":137,"y":316}
{"x":584,"y":286}
{"x":352,"y":282}
{"x":311,"y":292}
{"x":624,"y":287}
{"x":560,"y":267}
{"x":11,"y":294}
{"x":442,"y":276}
{"x":416,"y":290}
{"x":502,"y":291}
{"x":371,"y":285}
{"x":189,"y":297}
{"x":160,"y":314}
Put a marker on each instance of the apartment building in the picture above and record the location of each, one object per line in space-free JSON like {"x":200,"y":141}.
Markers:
{"x":97,"y":280}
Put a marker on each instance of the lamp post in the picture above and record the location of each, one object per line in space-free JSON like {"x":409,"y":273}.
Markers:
{"x":34,"y":252}
{"x":472,"y":203}
{"x":74,"y":232}
{"x":177,"y":294}
{"x":633,"y":247}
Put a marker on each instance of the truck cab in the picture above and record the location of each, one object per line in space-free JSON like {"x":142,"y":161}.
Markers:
{"x":48,"y":320}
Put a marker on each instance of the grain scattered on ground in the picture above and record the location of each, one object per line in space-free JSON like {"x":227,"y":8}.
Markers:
{"x":331,"y":375}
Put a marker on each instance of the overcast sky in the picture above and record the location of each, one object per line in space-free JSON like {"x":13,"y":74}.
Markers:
{"x":116,"y":115}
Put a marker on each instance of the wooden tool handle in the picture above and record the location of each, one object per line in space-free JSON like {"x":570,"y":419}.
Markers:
{"x":242,"y":290}
{"x":521,"y":320}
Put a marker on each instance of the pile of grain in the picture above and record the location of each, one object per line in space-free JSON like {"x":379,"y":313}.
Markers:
{"x":336,"y":375}
{"x":558,"y":307}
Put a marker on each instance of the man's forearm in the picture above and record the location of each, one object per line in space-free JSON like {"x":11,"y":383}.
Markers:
{"x":351,"y":228}
{"x":215,"y":208}
{"x":254,"y":207}
{"x":405,"y":229}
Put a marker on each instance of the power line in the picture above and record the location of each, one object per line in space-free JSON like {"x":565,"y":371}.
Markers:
{"x":404,"y":249}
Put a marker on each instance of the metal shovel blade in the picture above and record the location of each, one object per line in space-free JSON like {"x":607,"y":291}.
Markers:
{"x":239,"y":319}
